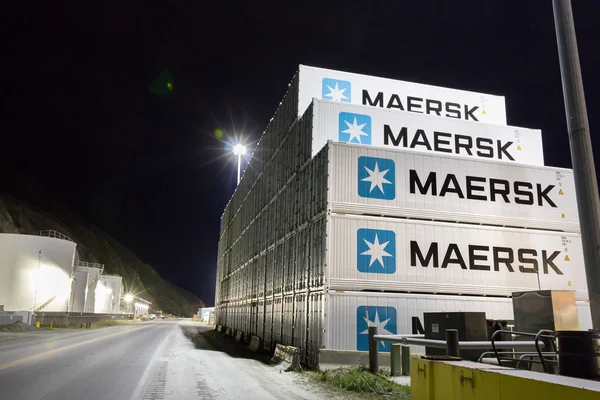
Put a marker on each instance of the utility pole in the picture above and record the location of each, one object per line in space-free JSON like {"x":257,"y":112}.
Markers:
{"x":582,"y":156}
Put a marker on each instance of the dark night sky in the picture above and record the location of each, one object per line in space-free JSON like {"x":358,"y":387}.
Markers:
{"x":79,"y":119}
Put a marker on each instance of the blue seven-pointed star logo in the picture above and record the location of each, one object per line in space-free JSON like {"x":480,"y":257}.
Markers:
{"x":384,"y":318}
{"x":336,"y":90}
{"x":376,"y":178}
{"x":376,"y":251}
{"x":354,"y":128}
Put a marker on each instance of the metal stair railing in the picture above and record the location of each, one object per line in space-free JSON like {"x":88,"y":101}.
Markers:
{"x":545,"y":358}
{"x":54,"y":234}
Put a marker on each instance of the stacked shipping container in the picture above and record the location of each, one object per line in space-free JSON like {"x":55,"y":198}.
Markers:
{"x":312,"y":218}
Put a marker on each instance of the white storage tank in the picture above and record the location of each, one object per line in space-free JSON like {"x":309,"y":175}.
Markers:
{"x":35,"y":269}
{"x":108,"y":294}
{"x":79,"y":290}
{"x":116,"y":286}
{"x":93,"y":275}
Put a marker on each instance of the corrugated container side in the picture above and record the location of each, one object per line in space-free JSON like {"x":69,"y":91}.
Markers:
{"x":262,"y":275}
{"x":300,"y":319}
{"x":292,"y":264}
{"x":278,"y":148}
{"x":317,"y":253}
{"x":254,"y":314}
{"x":268,"y":333}
{"x":419,"y":185}
{"x":316,"y":316}
{"x":382,"y":92}
{"x":278,"y":269}
{"x":277,"y":319}
{"x":349,"y":314}
{"x":288,"y":321}
{"x":302,"y":264}
{"x":261,"y":318}
{"x":374,"y":127}
{"x":284,"y":117}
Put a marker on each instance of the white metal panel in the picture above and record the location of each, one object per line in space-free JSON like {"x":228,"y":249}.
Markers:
{"x":35,"y":269}
{"x":421,"y":185}
{"x":349,"y":314}
{"x":108,"y":294}
{"x":371,"y":253}
{"x":92,"y":282}
{"x":584,"y":315}
{"x":377,"y":127}
{"x":79,"y":288}
{"x":116,"y":286}
{"x":398,"y":95}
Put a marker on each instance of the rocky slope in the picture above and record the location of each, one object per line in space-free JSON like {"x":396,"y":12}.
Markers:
{"x":94,"y":245}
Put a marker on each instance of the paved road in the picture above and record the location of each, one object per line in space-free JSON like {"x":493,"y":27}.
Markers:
{"x":105,"y":363}
{"x":155,"y":360}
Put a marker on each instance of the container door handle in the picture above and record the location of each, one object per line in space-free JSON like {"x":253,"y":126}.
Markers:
{"x":464,"y":379}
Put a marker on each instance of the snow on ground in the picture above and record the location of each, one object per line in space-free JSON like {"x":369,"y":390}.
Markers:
{"x":203,"y":369}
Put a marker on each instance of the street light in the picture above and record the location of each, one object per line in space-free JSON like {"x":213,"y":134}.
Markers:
{"x":239,"y":150}
{"x":128,"y":298}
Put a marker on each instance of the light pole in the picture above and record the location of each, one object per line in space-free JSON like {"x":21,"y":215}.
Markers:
{"x":582,"y":156}
{"x":239,"y":150}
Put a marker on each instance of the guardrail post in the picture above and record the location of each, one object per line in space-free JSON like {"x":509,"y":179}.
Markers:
{"x":405,"y":360}
{"x":373,"y":350}
{"x":452,"y":342}
{"x":395,"y":359}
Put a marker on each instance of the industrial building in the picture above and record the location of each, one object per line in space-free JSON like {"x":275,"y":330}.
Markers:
{"x":43,"y":273}
{"x":372,"y":201}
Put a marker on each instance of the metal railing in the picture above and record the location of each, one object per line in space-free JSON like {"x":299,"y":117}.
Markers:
{"x":543,"y":337}
{"x":451,"y":344}
{"x":90,"y":265}
{"x":54,"y":234}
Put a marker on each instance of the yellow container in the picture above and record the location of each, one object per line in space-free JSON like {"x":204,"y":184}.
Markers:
{"x":464,"y":380}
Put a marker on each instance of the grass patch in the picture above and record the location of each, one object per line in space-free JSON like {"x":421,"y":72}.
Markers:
{"x":95,"y":325}
{"x":104,"y":324}
{"x":360,"y":380}
{"x":15,"y":327}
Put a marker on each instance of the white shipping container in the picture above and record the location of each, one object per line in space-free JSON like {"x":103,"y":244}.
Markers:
{"x":401,"y":183}
{"x":371,"y":126}
{"x":398,"y":95}
{"x":390,"y":254}
{"x":349,"y":314}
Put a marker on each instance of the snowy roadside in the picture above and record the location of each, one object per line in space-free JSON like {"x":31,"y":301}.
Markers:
{"x":207,"y":368}
{"x":197,"y":362}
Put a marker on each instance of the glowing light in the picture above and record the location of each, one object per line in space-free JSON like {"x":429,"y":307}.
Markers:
{"x":218,"y":133}
{"x":128,"y":298}
{"x":239,"y":149}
